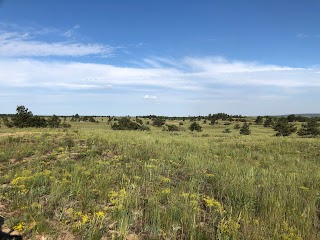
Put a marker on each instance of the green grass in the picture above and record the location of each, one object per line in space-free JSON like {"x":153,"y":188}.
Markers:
{"x":92,"y":182}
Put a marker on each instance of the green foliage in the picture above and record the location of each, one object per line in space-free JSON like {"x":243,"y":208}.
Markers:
{"x":195,"y":127}
{"x":259,"y":120}
{"x":237,"y":126}
{"x":310,"y":129}
{"x":54,"y":121}
{"x":284,"y":128}
{"x":24,"y":118}
{"x":268,"y":122}
{"x":171,"y":128}
{"x":126,"y":123}
{"x":245,"y":129}
{"x":158,"y":122}
{"x":94,"y":184}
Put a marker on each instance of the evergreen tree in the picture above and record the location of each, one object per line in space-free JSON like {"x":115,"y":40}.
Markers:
{"x":54,"y":121}
{"x":268,"y":122}
{"x":284,"y":128}
{"x":22,"y":118}
{"x":245,"y":129}
{"x":195,"y":127}
{"x":259,"y":120}
{"x":310,"y":128}
{"x":158,"y":122}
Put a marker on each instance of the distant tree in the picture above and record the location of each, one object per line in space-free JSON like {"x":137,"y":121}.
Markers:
{"x":38,"y":122}
{"x":291,"y":118}
{"x":195,"y":127}
{"x":259,"y":120}
{"x":158,"y":122}
{"x":268,"y":122}
{"x":7,"y":122}
{"x":126,"y":123}
{"x":54,"y":121}
{"x":213,"y":121}
{"x":76,"y":118}
{"x":310,"y":128}
{"x":245,"y":129}
{"x":284,"y":128}
{"x":22,"y":118}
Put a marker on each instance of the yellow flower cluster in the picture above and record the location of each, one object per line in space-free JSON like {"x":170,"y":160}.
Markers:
{"x":20,"y":227}
{"x":165,"y":179}
{"x":212,"y":203}
{"x":117,"y":198}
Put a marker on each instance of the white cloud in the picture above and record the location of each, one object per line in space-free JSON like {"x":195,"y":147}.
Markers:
{"x":150,"y":97}
{"x":25,"y":43}
{"x":197,"y":75}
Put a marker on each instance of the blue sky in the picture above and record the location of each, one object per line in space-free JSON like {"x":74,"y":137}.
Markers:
{"x":123,"y":57}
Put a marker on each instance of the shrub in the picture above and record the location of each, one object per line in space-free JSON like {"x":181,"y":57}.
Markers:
{"x":158,"y":122}
{"x":127,"y":124}
{"x":195,"y":127}
{"x":310,"y":129}
{"x":284,"y":128}
{"x":171,"y":128}
{"x":245,"y":129}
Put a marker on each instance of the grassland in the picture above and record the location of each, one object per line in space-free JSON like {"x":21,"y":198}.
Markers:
{"x":90,"y":182}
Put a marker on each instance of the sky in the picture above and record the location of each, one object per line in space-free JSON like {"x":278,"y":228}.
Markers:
{"x":168,"y":57}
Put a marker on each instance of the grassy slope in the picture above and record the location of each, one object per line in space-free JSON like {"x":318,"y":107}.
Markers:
{"x":92,"y":182}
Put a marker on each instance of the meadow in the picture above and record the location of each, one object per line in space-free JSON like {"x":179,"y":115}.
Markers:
{"x":91,"y":182}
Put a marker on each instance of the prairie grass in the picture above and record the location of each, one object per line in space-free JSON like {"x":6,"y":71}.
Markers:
{"x":95,"y":183}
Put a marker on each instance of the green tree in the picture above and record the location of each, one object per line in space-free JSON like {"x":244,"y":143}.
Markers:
{"x":54,"y":121}
{"x":126,"y":123}
{"x":259,"y":120}
{"x":284,"y":128}
{"x":195,"y":127}
{"x":22,"y":118}
{"x":268,"y":122}
{"x":158,"y":122}
{"x":245,"y":129}
{"x":310,"y":128}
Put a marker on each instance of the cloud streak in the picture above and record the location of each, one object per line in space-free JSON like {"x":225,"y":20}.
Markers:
{"x":197,"y":74}
{"x":23,"y":44}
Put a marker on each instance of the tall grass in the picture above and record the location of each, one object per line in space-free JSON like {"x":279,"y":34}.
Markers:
{"x":157,"y":185}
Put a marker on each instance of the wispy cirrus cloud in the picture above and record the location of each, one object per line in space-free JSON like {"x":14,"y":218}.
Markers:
{"x":197,"y":74}
{"x":304,"y":35}
{"x":18,"y":42}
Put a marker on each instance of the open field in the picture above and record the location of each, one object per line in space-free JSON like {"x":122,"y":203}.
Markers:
{"x":90,"y":182}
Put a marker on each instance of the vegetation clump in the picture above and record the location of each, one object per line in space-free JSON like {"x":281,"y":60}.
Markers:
{"x":126,"y":123}
{"x":195,"y":127}
{"x":310,"y":129}
{"x":245,"y":129}
{"x":284,"y":128}
{"x":171,"y":128}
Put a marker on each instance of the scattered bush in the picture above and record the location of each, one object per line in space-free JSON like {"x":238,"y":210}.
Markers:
{"x":127,"y":124}
{"x":284,"y":128}
{"x":195,"y":127}
{"x":310,"y":129}
{"x":171,"y":128}
{"x":245,"y":129}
